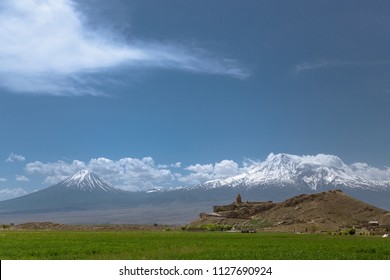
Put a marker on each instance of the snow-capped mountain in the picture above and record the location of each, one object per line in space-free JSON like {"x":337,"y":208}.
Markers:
{"x":302,"y":173}
{"x":83,"y":190}
{"x":87,"y":181}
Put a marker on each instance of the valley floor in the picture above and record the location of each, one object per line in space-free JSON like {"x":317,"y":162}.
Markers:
{"x":174,"y":244}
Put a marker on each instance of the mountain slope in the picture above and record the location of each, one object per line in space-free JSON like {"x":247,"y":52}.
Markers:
{"x":83,"y":190}
{"x":304,"y":173}
{"x":88,"y":182}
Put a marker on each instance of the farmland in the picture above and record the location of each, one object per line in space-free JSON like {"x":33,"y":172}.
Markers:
{"x":182,"y":245}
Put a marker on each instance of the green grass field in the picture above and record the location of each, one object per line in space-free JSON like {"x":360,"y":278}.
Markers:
{"x":168,"y":245}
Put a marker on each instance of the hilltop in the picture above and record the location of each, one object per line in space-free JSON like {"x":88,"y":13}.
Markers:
{"x":325,"y":211}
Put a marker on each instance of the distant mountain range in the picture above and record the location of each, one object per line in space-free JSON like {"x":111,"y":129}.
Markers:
{"x":278,"y":178}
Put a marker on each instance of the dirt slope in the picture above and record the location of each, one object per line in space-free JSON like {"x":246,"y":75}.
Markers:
{"x":325,"y":211}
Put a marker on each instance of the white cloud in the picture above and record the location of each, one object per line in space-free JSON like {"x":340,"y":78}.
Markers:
{"x":3,"y":179}
{"x":14,"y":157}
{"x":127,"y":173}
{"x":325,"y":63}
{"x":195,"y":178}
{"x":199,"y":168}
{"x":46,"y":48}
{"x":136,"y":174}
{"x":372,"y":173}
{"x":320,"y":159}
{"x":226,"y":168}
{"x":201,"y":173}
{"x":132,"y":173}
{"x":174,"y":165}
{"x":314,"y":65}
{"x":55,"y":171}
{"x":11,"y":193}
{"x":21,"y":178}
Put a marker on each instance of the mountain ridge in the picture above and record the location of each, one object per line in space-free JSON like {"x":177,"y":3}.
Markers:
{"x":306,"y":172}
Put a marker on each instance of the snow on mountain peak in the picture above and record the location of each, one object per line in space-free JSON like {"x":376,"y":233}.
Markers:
{"x":87,"y":181}
{"x":320,"y":159}
{"x":306,"y":171}
{"x":81,"y":175}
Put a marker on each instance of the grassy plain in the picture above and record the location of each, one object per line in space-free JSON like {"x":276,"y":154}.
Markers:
{"x":172,"y":245}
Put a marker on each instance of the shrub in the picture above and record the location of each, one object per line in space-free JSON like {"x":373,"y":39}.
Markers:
{"x":215,"y":227}
{"x":208,"y":227}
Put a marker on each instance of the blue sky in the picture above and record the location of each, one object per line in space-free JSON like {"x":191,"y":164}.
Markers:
{"x":171,"y":89}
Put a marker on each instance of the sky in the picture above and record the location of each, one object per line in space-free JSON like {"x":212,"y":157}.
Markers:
{"x":178,"y":92}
